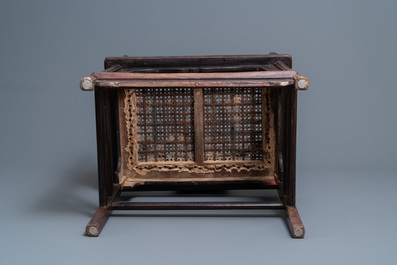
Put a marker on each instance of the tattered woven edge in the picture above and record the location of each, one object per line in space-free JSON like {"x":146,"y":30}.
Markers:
{"x":131,"y":127}
{"x":193,"y":168}
{"x":268,"y":128}
{"x":131,"y":145}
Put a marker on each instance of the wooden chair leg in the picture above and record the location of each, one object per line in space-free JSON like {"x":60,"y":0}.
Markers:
{"x":94,"y":227}
{"x":295,"y":223}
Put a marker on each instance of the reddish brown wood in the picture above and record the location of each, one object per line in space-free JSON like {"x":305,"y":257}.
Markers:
{"x":198,"y":126}
{"x":197,"y":61}
{"x":290,"y":146}
{"x":201,"y":69}
{"x":301,"y":82}
{"x":282,"y":66}
{"x":295,"y":224}
{"x":113,"y":68}
{"x":200,"y":183}
{"x":196,"y":74}
{"x":280,"y":134}
{"x":122,"y":84}
{"x":98,"y":221}
{"x":103,"y":144}
{"x":193,"y":76}
{"x":196,"y":205}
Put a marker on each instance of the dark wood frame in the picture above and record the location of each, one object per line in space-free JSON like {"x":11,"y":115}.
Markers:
{"x":148,"y":74}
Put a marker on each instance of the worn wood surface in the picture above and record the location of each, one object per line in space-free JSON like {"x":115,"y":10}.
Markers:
{"x":199,"y":69}
{"x":122,"y":84}
{"x":301,"y":82}
{"x":198,"y":113}
{"x":233,"y":205}
{"x":113,"y":68}
{"x":280,"y":139}
{"x":223,"y":175}
{"x":273,"y":71}
{"x":197,"y":167}
{"x":295,"y":224}
{"x":104,"y":145}
{"x":233,"y":79}
{"x":282,"y":66}
{"x":197,"y":61}
{"x":289,"y":180}
{"x":194,"y":76}
{"x":98,"y":221}
{"x":261,"y":181}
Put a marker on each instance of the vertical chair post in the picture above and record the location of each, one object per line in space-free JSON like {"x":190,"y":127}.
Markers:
{"x":105,"y":150}
{"x":290,"y":145}
{"x":294,"y":221}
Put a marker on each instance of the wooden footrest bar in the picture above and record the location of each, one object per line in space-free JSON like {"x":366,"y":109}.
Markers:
{"x":101,"y":216}
{"x":195,"y":205}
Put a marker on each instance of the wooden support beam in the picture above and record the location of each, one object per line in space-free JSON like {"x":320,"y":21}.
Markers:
{"x":150,"y":83}
{"x":195,"y":205}
{"x":289,"y":145}
{"x":200,"y":69}
{"x":193,"y":76}
{"x":98,"y":221}
{"x":295,"y":224}
{"x":197,"y":61}
{"x":198,"y":126}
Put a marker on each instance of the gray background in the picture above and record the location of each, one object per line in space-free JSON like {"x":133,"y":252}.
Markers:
{"x":346,"y":151}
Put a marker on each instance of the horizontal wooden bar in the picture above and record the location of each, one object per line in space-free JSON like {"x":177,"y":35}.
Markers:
{"x":195,"y":205}
{"x":216,"y":162}
{"x":199,"y":69}
{"x":192,"y":76}
{"x":280,"y":82}
{"x":195,"y":61}
{"x":203,"y":183}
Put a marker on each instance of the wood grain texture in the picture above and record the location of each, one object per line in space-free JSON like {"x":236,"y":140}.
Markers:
{"x":200,"y":69}
{"x":233,"y":205}
{"x":272,"y":72}
{"x":98,"y":221}
{"x":194,"y":76}
{"x":290,"y":145}
{"x":104,"y":145}
{"x":295,"y":224}
{"x":196,"y":61}
{"x":198,"y":113}
{"x":150,"y":83}
{"x":260,"y":181}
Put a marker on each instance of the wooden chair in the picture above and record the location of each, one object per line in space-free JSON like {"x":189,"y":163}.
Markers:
{"x":196,"y":122}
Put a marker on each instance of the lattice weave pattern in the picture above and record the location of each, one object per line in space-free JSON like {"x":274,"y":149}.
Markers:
{"x":165,"y":124}
{"x":233,"y":124}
